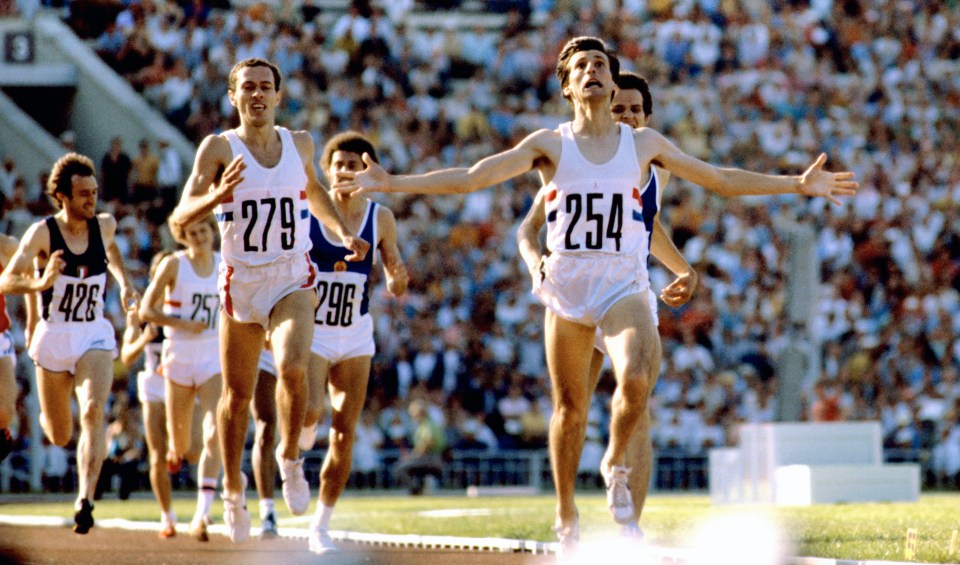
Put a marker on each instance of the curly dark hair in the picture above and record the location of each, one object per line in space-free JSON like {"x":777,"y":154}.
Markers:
{"x":61,"y":175}
{"x":352,"y":141}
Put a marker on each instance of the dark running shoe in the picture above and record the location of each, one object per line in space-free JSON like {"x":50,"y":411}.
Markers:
{"x":83,"y":518}
{"x":6,"y":443}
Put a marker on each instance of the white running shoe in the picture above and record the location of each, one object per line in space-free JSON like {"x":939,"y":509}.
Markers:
{"x":320,"y":542}
{"x":568,"y":540}
{"x":308,"y":438}
{"x":632,"y":532}
{"x":296,"y":489}
{"x":618,"y":494}
{"x":235,"y":515}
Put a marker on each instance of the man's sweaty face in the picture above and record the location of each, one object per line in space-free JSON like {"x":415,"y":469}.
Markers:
{"x":627,"y":107}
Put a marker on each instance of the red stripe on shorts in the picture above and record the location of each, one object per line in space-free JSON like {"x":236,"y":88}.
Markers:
{"x":227,"y":301}
{"x":313,"y":273}
{"x":174,"y":303}
{"x":4,"y":316}
{"x":303,"y":195}
{"x":551,"y":196}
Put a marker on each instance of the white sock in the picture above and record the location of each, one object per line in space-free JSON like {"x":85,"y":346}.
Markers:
{"x":168,"y":518}
{"x":322,"y":516}
{"x":266,"y":507}
{"x":205,"y":492}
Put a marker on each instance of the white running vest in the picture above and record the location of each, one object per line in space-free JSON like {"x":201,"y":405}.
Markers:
{"x":267,"y":219}
{"x":599,"y":208}
{"x":193,"y":298}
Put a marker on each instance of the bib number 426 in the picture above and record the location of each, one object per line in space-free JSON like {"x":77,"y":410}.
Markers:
{"x":79,"y":302}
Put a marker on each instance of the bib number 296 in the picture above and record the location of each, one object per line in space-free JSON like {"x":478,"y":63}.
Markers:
{"x":336,"y":303}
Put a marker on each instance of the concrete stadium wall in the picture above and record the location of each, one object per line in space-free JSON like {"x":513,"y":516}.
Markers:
{"x":32,"y":147}
{"x":105,"y":105}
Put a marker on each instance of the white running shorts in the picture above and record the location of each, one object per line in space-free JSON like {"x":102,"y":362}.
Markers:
{"x":336,"y":346}
{"x":190,"y":363}
{"x":151,"y":387}
{"x":248,"y":294}
{"x":7,"y":348}
{"x":58,"y":347}
{"x":581,"y":287}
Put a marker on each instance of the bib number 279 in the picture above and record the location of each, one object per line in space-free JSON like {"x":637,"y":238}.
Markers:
{"x":251,"y":210}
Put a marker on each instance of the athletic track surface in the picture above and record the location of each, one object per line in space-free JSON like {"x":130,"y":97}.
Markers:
{"x":102,"y":546}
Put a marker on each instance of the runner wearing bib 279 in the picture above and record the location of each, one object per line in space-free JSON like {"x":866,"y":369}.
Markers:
{"x":260,"y":181}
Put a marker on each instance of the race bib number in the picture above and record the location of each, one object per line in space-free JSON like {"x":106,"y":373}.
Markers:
{"x":602,"y":218}
{"x":271,"y":222}
{"x":205,"y":309}
{"x":79,"y":302}
{"x":338,"y":302}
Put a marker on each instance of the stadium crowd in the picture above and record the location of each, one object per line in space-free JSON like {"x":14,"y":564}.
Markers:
{"x":755,"y":84}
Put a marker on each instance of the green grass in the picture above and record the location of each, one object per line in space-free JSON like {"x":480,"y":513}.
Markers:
{"x":848,"y":531}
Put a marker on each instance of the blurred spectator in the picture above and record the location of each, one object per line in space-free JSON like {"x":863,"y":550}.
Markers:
{"x":68,"y":139}
{"x":946,"y":457}
{"x":366,"y":450}
{"x":8,"y":176}
{"x":125,"y":447}
{"x":115,"y":172}
{"x":144,"y":166}
{"x":826,"y":403}
{"x":425,"y":459}
{"x":511,"y":408}
{"x":169,"y":173}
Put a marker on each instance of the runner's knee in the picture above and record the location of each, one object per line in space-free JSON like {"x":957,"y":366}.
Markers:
{"x":342,"y":439}
{"x":633,"y":392}
{"x":266,"y":433}
{"x":235,"y":400}
{"x":91,"y":413}
{"x":59,"y":435}
{"x":570,"y":418}
{"x":292,"y":375}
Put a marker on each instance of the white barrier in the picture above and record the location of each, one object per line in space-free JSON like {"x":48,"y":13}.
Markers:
{"x":809,"y":463}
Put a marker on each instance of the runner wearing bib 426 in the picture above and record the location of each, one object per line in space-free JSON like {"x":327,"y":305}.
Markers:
{"x":343,"y":326}
{"x":72,"y":321}
{"x":599,"y":224}
{"x":265,"y":233}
